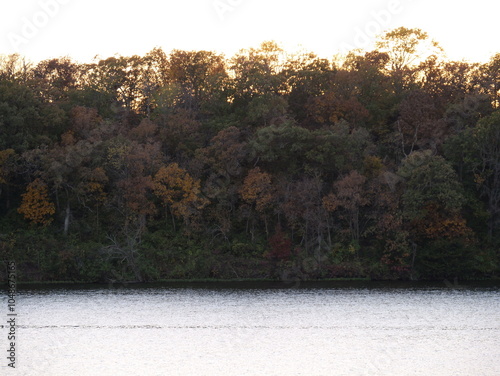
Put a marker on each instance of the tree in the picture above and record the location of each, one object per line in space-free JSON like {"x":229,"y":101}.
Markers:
{"x":91,"y":191}
{"x":486,"y":165}
{"x":281,"y":148}
{"x":406,"y":47}
{"x":257,"y":72}
{"x":258,"y":190}
{"x":178,"y":191}
{"x":84,"y":122}
{"x":226,"y":153}
{"x":349,"y":196}
{"x":429,"y":180}
{"x":180,"y":133}
{"x":136,"y":183}
{"x":125,"y":252}
{"x":307,"y":76}
{"x":15,"y":68}
{"x":56,"y":78}
{"x":223,"y":162}
{"x":306,"y":216}
{"x":432,"y":203}
{"x":36,"y":205}
{"x":337,"y":150}
{"x":7,"y":158}
{"x":280,"y":250}
{"x":120,"y":80}
{"x":200,"y":74}
{"x":67,"y":166}
{"x":369,"y":81}
{"x":490,"y":80}
{"x":420,"y":124}
{"x":447,"y":82}
{"x":23,"y":123}
{"x":5,"y":155}
{"x":330,"y":108}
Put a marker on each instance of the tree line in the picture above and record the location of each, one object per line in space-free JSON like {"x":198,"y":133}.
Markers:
{"x":382,"y":164}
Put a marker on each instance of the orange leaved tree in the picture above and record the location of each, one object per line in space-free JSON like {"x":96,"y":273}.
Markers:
{"x":36,"y":205}
{"x":178,"y":191}
{"x":258,"y":190}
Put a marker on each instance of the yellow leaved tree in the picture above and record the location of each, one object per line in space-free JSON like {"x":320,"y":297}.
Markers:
{"x":179,"y":191}
{"x":36,"y":205}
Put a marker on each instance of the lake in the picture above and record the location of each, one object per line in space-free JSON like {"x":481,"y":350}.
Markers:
{"x":335,"y":328}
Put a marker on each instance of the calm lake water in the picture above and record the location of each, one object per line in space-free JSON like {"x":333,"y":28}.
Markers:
{"x":257,"y":329}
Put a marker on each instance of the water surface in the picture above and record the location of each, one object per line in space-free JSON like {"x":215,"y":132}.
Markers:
{"x":259,"y":329}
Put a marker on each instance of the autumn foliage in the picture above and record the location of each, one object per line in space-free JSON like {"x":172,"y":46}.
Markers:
{"x":257,"y":189}
{"x":281,"y":246}
{"x":178,"y":190}
{"x":190,"y":164}
{"x":36,"y":205}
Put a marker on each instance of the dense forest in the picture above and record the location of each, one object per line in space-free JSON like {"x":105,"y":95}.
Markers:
{"x":382,"y":164}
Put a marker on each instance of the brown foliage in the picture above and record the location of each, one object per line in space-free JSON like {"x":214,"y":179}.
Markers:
{"x":257,"y":189}
{"x":420,"y":123}
{"x":438,"y":225}
{"x":330,"y":108}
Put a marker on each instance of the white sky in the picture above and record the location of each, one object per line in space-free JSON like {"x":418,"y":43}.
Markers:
{"x":82,"y":29}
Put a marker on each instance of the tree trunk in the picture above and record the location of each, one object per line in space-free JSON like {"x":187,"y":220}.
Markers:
{"x":67,"y":219}
{"x":172,"y":215}
{"x":414,"y":254}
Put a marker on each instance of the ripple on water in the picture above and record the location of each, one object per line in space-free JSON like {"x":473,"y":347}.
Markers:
{"x":204,"y":331}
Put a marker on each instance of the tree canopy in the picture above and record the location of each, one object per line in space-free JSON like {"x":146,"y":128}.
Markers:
{"x":261,"y":165}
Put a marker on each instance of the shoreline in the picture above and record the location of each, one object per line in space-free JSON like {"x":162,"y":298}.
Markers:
{"x":457,"y":284}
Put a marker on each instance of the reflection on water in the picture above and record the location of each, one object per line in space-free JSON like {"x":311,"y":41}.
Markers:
{"x":335,"y":329}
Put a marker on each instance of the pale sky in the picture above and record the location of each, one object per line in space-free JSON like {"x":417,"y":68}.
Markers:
{"x":82,"y":29}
